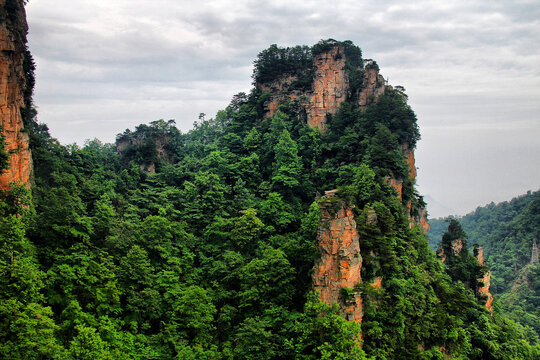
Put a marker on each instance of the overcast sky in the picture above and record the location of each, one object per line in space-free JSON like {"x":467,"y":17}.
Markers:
{"x":471,"y":70}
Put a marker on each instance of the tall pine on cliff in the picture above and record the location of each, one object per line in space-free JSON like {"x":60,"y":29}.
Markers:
{"x":200,"y":245}
{"x":508,"y":232}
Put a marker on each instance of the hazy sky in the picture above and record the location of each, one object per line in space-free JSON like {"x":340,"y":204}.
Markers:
{"x":471,"y":70}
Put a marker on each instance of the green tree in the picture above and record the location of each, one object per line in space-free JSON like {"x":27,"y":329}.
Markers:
{"x":287,"y":166}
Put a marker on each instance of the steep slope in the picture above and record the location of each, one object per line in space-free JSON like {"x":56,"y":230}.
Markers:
{"x":13,"y":84}
{"x":507,"y":232}
{"x":317,"y":84}
{"x":331,"y":84}
{"x":219,"y":253}
{"x":339,"y":268}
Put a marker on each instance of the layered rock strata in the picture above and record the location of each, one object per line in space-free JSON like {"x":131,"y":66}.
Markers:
{"x":337,"y":272}
{"x":13,"y":30}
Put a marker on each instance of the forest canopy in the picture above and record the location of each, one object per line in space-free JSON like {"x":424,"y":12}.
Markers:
{"x":200,"y":245}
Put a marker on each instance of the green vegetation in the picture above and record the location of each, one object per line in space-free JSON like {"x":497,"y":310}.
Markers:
{"x":276,"y":62}
{"x":210,"y":256}
{"x":4,"y":155}
{"x":507,"y":232}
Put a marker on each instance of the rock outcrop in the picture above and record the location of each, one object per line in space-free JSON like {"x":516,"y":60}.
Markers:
{"x":417,"y":214}
{"x":158,"y":146}
{"x":148,"y":145}
{"x":374,"y":84}
{"x":456,"y":246}
{"x":485,"y":281}
{"x":337,"y":272}
{"x":330,"y":87}
{"x":13,"y":30}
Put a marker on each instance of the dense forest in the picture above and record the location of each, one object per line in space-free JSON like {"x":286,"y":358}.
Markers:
{"x":508,"y":232}
{"x":200,"y":245}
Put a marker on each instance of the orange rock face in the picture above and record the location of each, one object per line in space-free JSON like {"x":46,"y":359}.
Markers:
{"x":330,"y":87}
{"x":409,"y":156}
{"x":483,"y":291}
{"x":422,"y":220}
{"x":338,"y":270}
{"x":418,"y":215}
{"x":13,"y":29}
{"x":374,"y":84}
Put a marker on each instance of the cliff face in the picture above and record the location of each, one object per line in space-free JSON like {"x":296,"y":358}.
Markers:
{"x":485,"y":281}
{"x":338,"y":270}
{"x":13,"y":30}
{"x":456,"y":247}
{"x":417,"y":214}
{"x":374,"y":84}
{"x":329,"y":88}
{"x":148,"y":145}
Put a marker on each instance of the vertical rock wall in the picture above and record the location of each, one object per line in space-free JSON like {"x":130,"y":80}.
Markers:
{"x":338,"y":270}
{"x":417,"y":215}
{"x":13,"y":30}
{"x":485,"y":281}
{"x":374,"y":84}
{"x":330,"y":87}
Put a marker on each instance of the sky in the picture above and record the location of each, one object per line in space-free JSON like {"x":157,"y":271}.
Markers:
{"x":471,"y":70}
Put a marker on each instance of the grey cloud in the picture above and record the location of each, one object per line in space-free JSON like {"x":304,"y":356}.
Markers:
{"x":469,"y":67}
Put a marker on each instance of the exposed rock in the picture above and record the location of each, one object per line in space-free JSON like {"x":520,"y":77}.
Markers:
{"x":147,"y":145}
{"x":455,"y":246}
{"x":337,"y":272}
{"x":409,"y":156}
{"x":485,"y":281}
{"x":417,"y":214}
{"x":441,"y":255}
{"x":397,"y":185}
{"x":422,"y":219}
{"x":330,"y":87}
{"x":374,"y":84}
{"x":13,"y":30}
{"x":371,"y":217}
{"x":377,"y":283}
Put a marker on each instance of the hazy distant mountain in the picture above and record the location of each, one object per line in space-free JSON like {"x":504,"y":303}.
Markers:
{"x":436,"y":209}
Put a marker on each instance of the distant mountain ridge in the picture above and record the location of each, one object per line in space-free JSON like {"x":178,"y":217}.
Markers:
{"x":508,"y":232}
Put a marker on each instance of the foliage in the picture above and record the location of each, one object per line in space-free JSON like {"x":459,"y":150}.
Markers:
{"x":277,"y":61}
{"x":507,"y":231}
{"x":4,"y":155}
{"x":210,"y":255}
